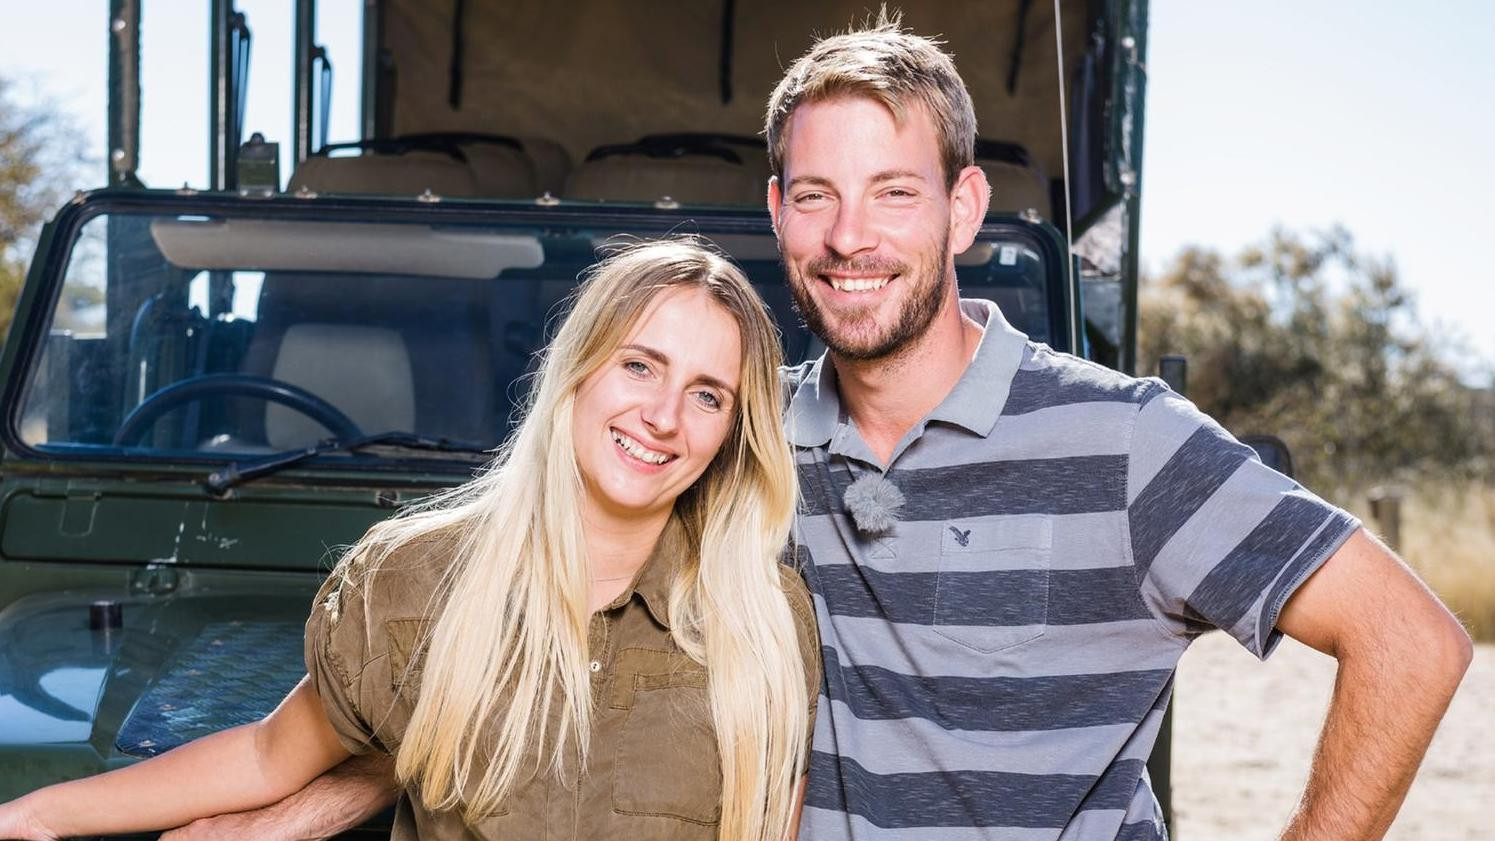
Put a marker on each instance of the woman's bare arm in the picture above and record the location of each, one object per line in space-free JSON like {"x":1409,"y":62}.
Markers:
{"x":242,"y":768}
{"x":337,"y":801}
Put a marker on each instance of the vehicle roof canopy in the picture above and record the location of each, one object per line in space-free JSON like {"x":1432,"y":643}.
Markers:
{"x":658,"y":66}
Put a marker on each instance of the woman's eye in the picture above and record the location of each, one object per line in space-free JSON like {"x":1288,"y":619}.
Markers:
{"x":709,"y":400}
{"x":635,"y":367}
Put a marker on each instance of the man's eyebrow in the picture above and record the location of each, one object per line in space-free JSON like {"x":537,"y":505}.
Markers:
{"x":663,"y":359}
{"x":812,"y":180}
{"x":894,"y":174}
{"x":885,"y":175}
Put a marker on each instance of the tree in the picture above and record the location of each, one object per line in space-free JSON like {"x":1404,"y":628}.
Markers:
{"x":1306,"y":338}
{"x":41,"y":158}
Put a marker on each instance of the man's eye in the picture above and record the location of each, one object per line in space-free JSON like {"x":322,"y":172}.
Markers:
{"x":809,"y":198}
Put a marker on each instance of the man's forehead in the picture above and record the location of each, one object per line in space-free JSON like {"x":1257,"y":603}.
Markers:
{"x":830,"y":128}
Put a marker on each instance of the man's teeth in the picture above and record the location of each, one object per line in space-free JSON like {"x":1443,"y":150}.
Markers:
{"x":859,"y":284}
{"x":637,"y":450}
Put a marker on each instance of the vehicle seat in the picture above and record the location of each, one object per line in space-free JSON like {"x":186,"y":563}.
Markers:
{"x":392,"y":353}
{"x":1017,"y":182}
{"x":688,"y":168}
{"x":374,"y":173}
{"x":551,"y":162}
{"x":363,"y":371}
{"x":501,"y":165}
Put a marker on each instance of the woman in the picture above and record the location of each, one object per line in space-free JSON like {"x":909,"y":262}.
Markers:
{"x":594,"y":636}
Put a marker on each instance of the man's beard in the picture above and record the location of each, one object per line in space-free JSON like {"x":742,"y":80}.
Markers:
{"x":865,"y":340}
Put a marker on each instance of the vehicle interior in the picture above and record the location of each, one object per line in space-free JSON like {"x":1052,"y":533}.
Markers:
{"x":664,"y":102}
{"x":253,"y":332}
{"x":243,"y":332}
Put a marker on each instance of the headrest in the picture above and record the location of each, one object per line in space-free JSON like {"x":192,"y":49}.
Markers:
{"x":364,"y":371}
{"x":409,"y":174}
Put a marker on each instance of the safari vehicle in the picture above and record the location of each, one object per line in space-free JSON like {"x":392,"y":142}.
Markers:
{"x":208,"y":392}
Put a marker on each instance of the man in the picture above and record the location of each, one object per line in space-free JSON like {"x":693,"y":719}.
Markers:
{"x":1010,"y":547}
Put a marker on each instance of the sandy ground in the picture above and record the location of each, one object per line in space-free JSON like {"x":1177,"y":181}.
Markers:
{"x":1244,"y":734}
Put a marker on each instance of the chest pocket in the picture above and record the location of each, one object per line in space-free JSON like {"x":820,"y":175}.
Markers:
{"x":992,"y":589}
{"x":667,"y":762}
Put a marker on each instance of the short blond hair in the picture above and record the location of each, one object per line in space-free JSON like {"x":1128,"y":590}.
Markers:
{"x":889,"y":65}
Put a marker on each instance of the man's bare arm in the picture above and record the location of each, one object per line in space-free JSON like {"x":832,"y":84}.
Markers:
{"x":339,"y":800}
{"x":1401,"y":656}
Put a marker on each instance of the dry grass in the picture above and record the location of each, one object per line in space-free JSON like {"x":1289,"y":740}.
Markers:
{"x":1448,"y":536}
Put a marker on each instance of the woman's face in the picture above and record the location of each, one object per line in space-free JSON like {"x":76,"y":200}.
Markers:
{"x":648,"y":422}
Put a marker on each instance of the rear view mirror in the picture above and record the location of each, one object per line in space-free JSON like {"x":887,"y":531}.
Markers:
{"x":1272,"y":452}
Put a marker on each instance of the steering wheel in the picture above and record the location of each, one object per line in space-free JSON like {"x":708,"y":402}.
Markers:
{"x":190,"y":390}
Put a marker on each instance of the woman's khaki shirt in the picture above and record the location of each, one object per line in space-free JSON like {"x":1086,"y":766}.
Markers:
{"x":653,"y":770}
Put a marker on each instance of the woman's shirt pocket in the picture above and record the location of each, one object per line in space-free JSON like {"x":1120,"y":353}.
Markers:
{"x":667,"y":764}
{"x":992,"y":588}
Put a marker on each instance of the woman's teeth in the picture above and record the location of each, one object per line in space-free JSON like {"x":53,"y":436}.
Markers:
{"x":859,"y":284}
{"x":637,"y":450}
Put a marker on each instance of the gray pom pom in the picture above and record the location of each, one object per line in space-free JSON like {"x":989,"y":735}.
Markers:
{"x":873,"y":503}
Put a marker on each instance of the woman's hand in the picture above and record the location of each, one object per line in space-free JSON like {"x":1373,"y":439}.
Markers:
{"x":17,"y":822}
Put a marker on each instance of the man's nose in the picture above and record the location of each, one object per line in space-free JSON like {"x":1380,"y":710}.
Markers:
{"x":850,"y":233}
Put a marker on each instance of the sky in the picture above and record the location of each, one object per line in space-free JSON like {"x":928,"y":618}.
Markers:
{"x":1375,"y":115}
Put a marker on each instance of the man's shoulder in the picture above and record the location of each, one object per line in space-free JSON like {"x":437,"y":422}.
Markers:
{"x":1047,"y":378}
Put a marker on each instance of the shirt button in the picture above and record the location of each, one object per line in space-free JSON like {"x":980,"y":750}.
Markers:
{"x":595,"y":666}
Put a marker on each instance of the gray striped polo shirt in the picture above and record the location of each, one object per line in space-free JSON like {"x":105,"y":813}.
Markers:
{"x":997,"y":663}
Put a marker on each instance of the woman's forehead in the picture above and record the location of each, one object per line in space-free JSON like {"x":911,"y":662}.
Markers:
{"x":693,"y":330}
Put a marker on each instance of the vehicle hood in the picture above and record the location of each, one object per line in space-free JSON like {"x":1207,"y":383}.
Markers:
{"x":221,"y":651}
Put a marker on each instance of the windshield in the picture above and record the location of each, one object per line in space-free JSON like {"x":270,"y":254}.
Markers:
{"x":225,"y":336}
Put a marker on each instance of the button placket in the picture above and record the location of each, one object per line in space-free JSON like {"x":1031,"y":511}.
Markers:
{"x":599,"y":643}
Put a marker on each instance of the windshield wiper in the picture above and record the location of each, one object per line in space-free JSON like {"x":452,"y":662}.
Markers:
{"x":237,"y":473}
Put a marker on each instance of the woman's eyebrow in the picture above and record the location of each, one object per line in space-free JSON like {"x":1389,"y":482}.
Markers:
{"x":663,"y":359}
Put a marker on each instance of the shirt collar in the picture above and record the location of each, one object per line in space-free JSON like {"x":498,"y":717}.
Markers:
{"x":974,"y":403}
{"x":652,"y":581}
{"x":977,"y":399}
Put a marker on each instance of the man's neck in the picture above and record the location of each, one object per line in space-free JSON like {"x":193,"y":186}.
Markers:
{"x":886,"y":397}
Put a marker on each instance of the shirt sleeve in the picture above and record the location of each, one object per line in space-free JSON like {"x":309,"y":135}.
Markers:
{"x":809,"y":644}
{"x":337,"y":652}
{"x":1219,"y":540}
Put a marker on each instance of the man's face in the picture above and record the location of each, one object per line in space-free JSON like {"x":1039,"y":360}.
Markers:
{"x":863,"y":219}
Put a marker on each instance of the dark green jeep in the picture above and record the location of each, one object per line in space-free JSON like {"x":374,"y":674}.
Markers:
{"x":208,"y":393}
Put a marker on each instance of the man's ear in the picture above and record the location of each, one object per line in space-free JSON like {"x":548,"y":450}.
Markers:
{"x":968,"y":202}
{"x":775,"y":195}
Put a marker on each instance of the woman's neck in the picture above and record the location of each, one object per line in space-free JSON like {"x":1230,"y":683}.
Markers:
{"x":617,"y":547}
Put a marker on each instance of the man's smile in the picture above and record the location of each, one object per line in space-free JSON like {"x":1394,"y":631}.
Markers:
{"x":857,"y":282}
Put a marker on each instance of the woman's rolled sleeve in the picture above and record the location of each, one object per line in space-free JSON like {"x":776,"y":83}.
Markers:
{"x":337,"y":651}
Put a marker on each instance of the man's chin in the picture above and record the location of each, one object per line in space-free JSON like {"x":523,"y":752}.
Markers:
{"x":860,"y":345}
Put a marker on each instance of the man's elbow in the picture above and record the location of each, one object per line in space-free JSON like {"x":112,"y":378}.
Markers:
{"x":1446,"y":651}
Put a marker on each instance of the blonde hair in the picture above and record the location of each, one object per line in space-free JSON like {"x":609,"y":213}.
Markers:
{"x":510,"y":642}
{"x":889,"y":65}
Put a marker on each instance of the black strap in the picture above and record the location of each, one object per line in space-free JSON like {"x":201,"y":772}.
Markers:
{"x":454,"y":91}
{"x":1017,"y":46}
{"x":724,"y":68}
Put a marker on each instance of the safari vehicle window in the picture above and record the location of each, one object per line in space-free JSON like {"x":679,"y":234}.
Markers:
{"x":227,"y":336}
